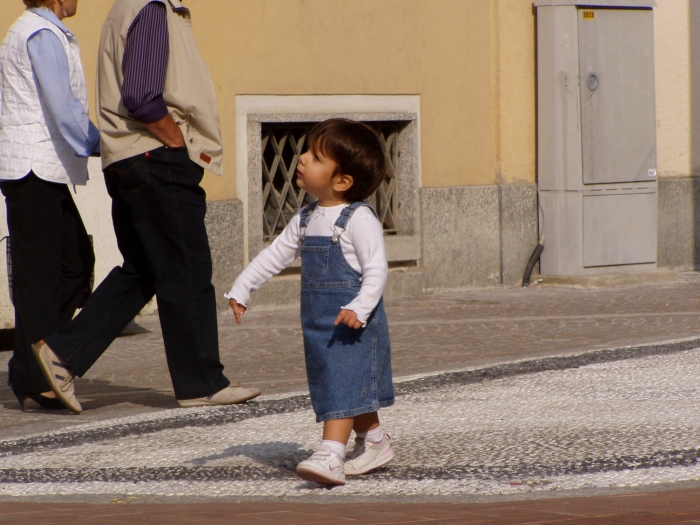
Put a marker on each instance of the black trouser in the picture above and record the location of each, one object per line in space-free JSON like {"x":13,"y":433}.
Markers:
{"x":52,"y":261}
{"x":158,"y":210}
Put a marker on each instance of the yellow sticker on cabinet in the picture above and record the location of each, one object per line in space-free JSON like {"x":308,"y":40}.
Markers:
{"x":588,"y":15}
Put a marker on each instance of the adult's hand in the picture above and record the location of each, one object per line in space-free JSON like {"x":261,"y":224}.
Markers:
{"x":166,"y":131}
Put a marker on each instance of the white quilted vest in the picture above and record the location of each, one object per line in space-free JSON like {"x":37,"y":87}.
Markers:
{"x":29,"y":138}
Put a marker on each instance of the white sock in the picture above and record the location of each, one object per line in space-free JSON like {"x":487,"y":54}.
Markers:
{"x":375,"y":435}
{"x":334,"y":446}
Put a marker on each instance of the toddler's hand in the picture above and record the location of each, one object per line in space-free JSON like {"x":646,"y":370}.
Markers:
{"x":349,"y":318}
{"x":238,"y":309}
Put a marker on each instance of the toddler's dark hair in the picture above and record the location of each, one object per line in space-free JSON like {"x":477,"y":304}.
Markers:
{"x":357,"y":150}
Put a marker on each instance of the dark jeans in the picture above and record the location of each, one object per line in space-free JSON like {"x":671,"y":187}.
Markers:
{"x":52,"y":261}
{"x":158,"y":210}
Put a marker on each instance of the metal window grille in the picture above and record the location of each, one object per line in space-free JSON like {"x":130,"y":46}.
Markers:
{"x":281,"y":146}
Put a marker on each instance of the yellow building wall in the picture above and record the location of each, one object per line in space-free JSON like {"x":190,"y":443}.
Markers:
{"x":471,"y":62}
{"x":515,"y":91}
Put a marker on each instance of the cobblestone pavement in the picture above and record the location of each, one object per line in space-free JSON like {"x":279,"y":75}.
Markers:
{"x":614,"y":424}
{"x":429,"y":334}
{"x":487,"y":405}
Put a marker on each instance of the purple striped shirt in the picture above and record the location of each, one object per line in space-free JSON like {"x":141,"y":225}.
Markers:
{"x":145,"y":63}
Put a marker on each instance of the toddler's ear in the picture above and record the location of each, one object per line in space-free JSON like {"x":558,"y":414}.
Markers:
{"x":343,"y":182}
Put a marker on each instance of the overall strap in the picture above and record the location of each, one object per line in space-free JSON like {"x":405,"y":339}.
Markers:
{"x":347,"y":212}
{"x":306,"y":212}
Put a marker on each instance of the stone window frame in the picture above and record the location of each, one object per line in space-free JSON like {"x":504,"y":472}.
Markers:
{"x":282,"y":146}
{"x":254,"y":110}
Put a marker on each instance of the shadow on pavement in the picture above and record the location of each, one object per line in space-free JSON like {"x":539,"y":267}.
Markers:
{"x":98,"y":393}
{"x":276,"y":454}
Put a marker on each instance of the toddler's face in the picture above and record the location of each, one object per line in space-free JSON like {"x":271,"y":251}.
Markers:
{"x":315,"y":174}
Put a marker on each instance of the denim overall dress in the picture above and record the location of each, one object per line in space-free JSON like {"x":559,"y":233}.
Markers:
{"x":349,"y":370}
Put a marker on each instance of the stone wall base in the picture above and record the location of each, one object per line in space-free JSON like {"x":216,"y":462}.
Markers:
{"x":224,"y":222}
{"x":285,"y":290}
{"x":477,"y":235}
{"x":679,"y":223}
{"x":472,"y":236}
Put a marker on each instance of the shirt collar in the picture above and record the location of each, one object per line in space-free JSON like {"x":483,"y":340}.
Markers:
{"x":177,"y":6}
{"x":49,"y":15}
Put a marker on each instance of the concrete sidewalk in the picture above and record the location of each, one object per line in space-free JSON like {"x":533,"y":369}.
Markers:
{"x":430,"y":334}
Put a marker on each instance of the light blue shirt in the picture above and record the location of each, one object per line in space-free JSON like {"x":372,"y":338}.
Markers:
{"x":52,"y":75}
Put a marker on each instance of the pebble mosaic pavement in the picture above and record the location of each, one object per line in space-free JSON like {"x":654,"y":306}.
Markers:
{"x":612,"y":424}
{"x":501,"y":392}
{"x":429,"y":334}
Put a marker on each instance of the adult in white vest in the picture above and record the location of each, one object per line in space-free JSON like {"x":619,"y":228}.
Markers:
{"x":45,"y":139}
{"x":159,"y":129}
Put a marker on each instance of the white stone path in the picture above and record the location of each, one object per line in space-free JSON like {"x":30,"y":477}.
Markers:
{"x":617,"y":424}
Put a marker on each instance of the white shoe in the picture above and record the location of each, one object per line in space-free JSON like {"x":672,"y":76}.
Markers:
{"x":230,"y":395}
{"x":59,"y":376}
{"x":366,"y":456}
{"x":324,"y":466}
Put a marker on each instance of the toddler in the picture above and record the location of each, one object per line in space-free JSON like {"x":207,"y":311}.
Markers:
{"x":343,"y":273}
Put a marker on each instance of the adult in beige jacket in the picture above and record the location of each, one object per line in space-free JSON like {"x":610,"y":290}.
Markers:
{"x":159,"y":129}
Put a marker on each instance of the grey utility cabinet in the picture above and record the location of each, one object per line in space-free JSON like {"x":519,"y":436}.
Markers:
{"x":596,"y":136}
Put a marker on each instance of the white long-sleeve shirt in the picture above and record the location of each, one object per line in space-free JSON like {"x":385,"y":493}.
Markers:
{"x":362,"y":243}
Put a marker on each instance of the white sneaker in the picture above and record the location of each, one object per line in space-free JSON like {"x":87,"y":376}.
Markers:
{"x":324,"y":466}
{"x":366,"y":456}
{"x":59,"y":376}
{"x":230,"y":395}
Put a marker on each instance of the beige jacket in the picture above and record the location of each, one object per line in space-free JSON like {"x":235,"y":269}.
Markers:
{"x":189,"y":91}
